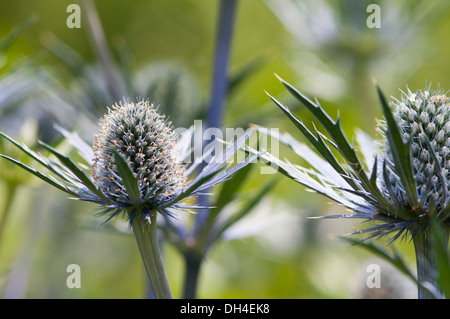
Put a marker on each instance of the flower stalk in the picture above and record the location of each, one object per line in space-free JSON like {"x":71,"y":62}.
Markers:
{"x":147,"y":241}
{"x":426,"y":262}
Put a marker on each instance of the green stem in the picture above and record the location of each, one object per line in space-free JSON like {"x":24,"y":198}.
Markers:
{"x":426,"y":262}
{"x":146,"y":238}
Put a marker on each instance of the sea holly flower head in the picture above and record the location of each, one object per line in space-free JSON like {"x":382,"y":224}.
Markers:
{"x":135,"y":169}
{"x":136,"y":165}
{"x":148,"y":143}
{"x":423,"y":122}
{"x":402,"y":187}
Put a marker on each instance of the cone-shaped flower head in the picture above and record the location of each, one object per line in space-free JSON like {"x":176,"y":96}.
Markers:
{"x":147,"y":142}
{"x":138,"y":166}
{"x":137,"y":170}
{"x":402,"y":188}
{"x":423,"y":119}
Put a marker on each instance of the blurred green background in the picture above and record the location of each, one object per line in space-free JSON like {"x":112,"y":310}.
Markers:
{"x":323,"y":47}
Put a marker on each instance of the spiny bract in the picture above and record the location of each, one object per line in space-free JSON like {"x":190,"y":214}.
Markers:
{"x":148,"y":143}
{"x":423,"y":119}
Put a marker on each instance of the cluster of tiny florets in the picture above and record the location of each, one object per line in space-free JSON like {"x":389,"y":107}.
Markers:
{"x":420,"y":116}
{"x":147,"y":141}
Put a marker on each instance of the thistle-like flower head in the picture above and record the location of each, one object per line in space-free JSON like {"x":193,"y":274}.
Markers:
{"x":146,"y":140}
{"x":400,"y":185}
{"x":138,"y":165}
{"x":423,"y":122}
{"x":139,"y":168}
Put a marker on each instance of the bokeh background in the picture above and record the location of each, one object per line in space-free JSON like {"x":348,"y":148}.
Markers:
{"x":164,"y":50}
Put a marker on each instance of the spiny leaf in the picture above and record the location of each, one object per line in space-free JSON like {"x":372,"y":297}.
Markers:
{"x":334,"y":129}
{"x":78,"y":172}
{"x":43,"y":161}
{"x":320,"y":146}
{"x":317,"y":142}
{"x":85,"y":149}
{"x":401,"y":152}
{"x":399,"y":208}
{"x":42,"y":176}
{"x":128,"y":179}
{"x":303,"y":177}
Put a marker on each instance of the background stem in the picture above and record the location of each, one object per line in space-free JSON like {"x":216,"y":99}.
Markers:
{"x":219,"y":86}
{"x":221,"y":59}
{"x":219,"y":89}
{"x":192,"y":271}
{"x":146,"y":238}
